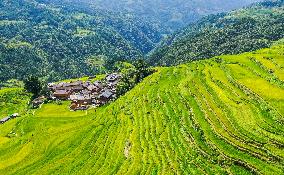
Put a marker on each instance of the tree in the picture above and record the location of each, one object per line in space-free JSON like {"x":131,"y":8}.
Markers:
{"x":33,"y":85}
{"x":132,"y":74}
{"x":142,"y":70}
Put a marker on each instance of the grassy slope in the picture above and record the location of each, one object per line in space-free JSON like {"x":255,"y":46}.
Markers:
{"x":97,"y":78}
{"x":12,"y":100}
{"x":217,"y":116}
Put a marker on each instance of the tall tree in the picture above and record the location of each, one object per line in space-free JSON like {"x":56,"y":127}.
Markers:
{"x":33,"y":85}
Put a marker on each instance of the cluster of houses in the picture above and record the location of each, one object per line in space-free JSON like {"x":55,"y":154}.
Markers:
{"x":84,"y":94}
{"x":4,"y":120}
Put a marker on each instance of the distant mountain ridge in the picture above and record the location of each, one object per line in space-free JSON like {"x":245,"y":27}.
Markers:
{"x":172,"y":14}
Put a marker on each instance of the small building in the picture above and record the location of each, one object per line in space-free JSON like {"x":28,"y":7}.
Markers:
{"x":106,"y":96}
{"x":76,"y":106}
{"x":4,"y":120}
{"x":112,"y":84}
{"x":80,"y":102}
{"x":85,"y":92}
{"x":62,"y":94}
{"x":15,"y":115}
{"x":38,"y":101}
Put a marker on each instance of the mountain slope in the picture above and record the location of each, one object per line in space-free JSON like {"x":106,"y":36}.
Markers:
{"x":239,"y":31}
{"x":218,"y":116}
{"x":170,"y":14}
{"x":52,"y":40}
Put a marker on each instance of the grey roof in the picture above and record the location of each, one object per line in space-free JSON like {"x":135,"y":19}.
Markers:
{"x":80,"y":97}
{"x":78,"y":87}
{"x":5,"y":119}
{"x":60,"y":84}
{"x":60,"y":92}
{"x":107,"y":94}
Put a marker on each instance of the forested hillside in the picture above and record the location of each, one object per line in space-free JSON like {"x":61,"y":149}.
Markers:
{"x":58,"y":41}
{"x":239,"y":31}
{"x":218,"y":116}
{"x":171,"y":14}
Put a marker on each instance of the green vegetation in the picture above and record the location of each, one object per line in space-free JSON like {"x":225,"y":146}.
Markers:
{"x":13,"y":100}
{"x":33,"y":85}
{"x":239,"y":31}
{"x":131,"y":74}
{"x":58,"y":110}
{"x":12,"y":83}
{"x":92,"y":79}
{"x":57,"y":41}
{"x":218,"y":116}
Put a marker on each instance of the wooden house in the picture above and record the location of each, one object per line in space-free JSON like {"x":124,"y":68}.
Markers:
{"x":62,"y":94}
{"x":80,"y":102}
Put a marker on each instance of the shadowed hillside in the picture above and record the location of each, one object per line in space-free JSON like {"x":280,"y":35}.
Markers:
{"x":239,"y":31}
{"x":171,"y":14}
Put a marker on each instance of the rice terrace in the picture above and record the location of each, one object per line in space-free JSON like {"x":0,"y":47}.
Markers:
{"x":91,"y":88}
{"x":232,"y":122}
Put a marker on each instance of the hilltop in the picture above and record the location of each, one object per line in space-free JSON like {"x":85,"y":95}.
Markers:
{"x":243,"y":30}
{"x":170,"y":15}
{"x":223,"y":115}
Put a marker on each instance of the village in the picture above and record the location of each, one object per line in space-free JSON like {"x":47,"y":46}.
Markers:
{"x":83,"y":95}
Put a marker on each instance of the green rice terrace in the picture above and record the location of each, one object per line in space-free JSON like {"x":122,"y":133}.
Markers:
{"x":224,"y":115}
